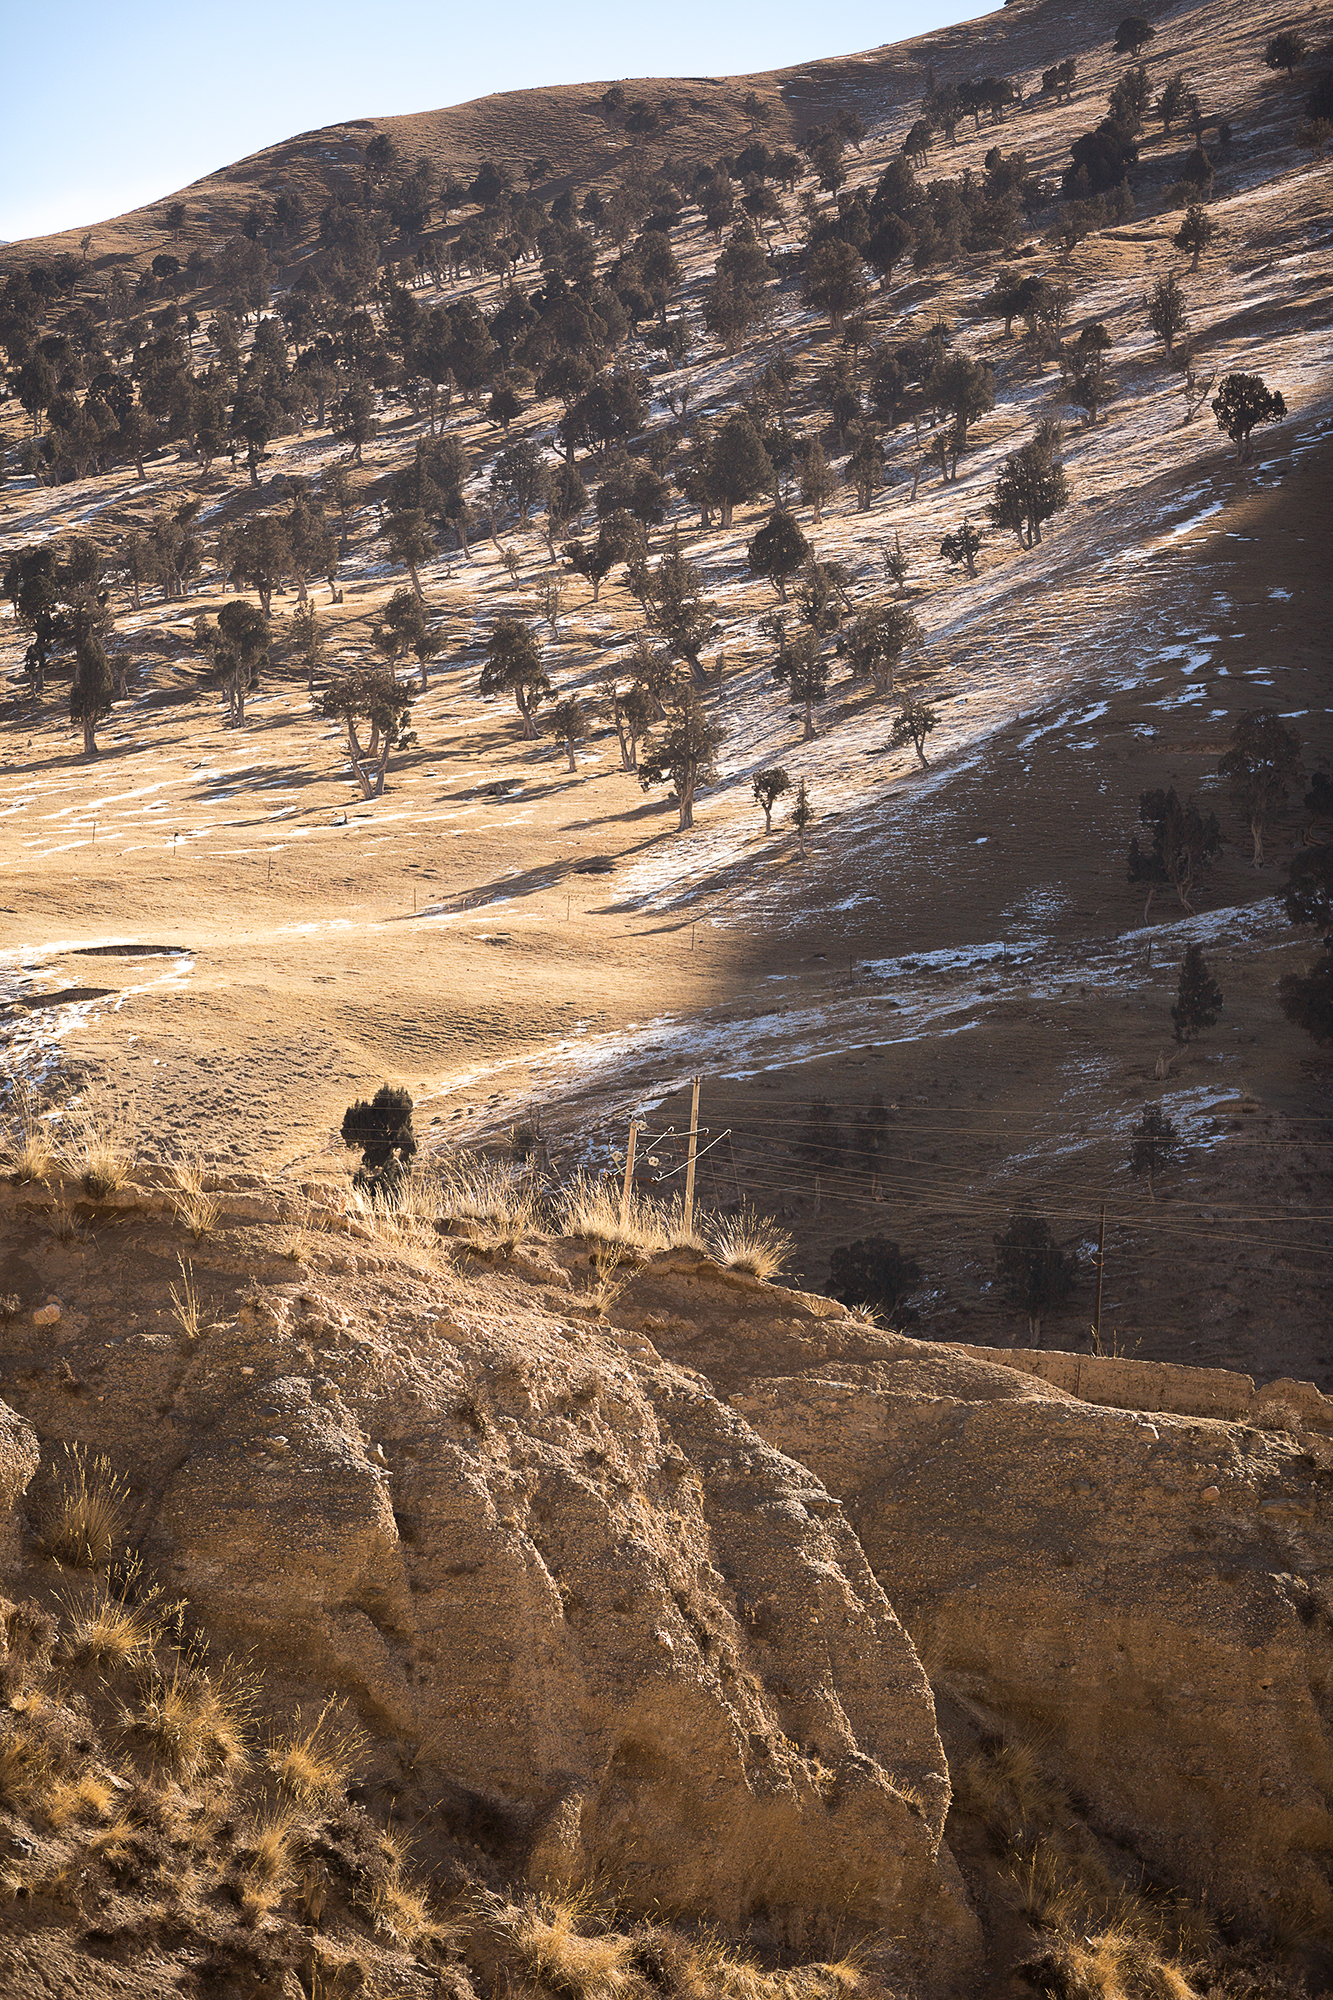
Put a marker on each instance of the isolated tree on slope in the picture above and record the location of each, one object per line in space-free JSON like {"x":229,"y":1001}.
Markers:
{"x":778,"y":550}
{"x":514,"y":666}
{"x":914,"y":723}
{"x":1263,"y":760}
{"x":91,"y":691}
{"x":1154,"y":1146}
{"x":372,"y":695}
{"x":1242,"y":403}
{"x":1034,"y":1274}
{"x":874,"y":1274}
{"x":567,"y":723}
{"x":682,"y":753}
{"x":1184,"y":841}
{"x":1198,"y":996}
{"x":382,"y":1129}
{"x":767,"y":788}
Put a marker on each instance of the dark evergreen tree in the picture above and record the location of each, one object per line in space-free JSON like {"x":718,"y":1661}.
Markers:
{"x":1264,"y":759}
{"x":682,"y":753}
{"x":1034,"y":1274}
{"x":1154,"y":1146}
{"x":382,"y":1129}
{"x":514,"y":666}
{"x":1198,"y":996}
{"x":874,"y":1274}
{"x":1184,"y":841}
{"x":778,"y":550}
{"x":1242,"y":403}
{"x":767,"y":788}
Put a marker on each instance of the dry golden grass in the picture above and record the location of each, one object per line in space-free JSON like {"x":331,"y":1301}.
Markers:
{"x":594,"y":1210}
{"x":267,"y":1858}
{"x":84,"y":1796}
{"x":315,"y":1764}
{"x":29,"y":1153}
{"x":750,"y":1242}
{"x":195,"y":1208}
{"x":192,"y":1722}
{"x":502,"y":1195}
{"x":98,"y":1141}
{"x":82,"y":1522}
{"x":104,"y":1630}
{"x":186,"y":1308}
{"x":402,"y":1912}
{"x":26,"y":1771}
{"x":557,"y":1941}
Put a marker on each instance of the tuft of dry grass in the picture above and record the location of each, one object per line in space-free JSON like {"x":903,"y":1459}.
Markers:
{"x":402,"y":1912}
{"x":594,"y":1210}
{"x":502,"y":1195}
{"x":750,"y":1242}
{"x":98,"y":1141}
{"x":29,"y":1153}
{"x":186,"y":1307}
{"x":82,"y":1522}
{"x":86,"y":1795}
{"x":315,"y":1764}
{"x":195,"y":1208}
{"x":104,"y":1629}
{"x":192,"y":1722}
{"x":558,"y":1942}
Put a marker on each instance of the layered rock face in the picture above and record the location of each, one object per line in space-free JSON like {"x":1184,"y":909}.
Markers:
{"x":625,"y":1637}
{"x":1147,"y":1595}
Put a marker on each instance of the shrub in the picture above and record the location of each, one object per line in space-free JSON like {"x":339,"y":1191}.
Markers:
{"x":82,"y":1522}
{"x":382,"y":1129}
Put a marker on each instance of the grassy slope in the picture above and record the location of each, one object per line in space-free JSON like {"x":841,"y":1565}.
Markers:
{"x":1069,"y":678}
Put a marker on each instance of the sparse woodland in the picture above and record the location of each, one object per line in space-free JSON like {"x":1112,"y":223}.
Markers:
{"x":524,"y":605}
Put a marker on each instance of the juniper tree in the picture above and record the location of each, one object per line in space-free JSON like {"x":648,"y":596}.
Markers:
{"x":568,"y":724}
{"x":778,"y":550}
{"x":372,"y":695}
{"x":874,"y":1274}
{"x":815,"y":480}
{"x":1165,"y":308}
{"x":802,"y":815}
{"x":736,"y":466}
{"x":1031,"y":486}
{"x":874,"y":643}
{"x":1307,"y":998}
{"x":962,"y":546}
{"x":802,"y":668}
{"x":865,"y":465}
{"x":409,"y":540}
{"x":514,"y":666}
{"x":1242,"y":403}
{"x":676,"y":609}
{"x":1133,"y":34}
{"x":767,"y":788}
{"x":239,"y":645}
{"x":914,"y":723}
{"x":1198,"y":996}
{"x":682,"y":753}
{"x":1184,"y":841}
{"x":1154,"y":1146}
{"x":1285,"y":50}
{"x":382,"y":1129}
{"x":1195,"y":233}
{"x":91,"y":690}
{"x":306,"y":640}
{"x":1034,"y":1274}
{"x":1264,"y":758}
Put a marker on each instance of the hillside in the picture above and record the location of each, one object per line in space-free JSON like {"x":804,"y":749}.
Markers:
{"x":476,"y":1575}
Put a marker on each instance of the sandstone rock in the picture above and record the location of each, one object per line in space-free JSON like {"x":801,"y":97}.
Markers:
{"x":19,"y":1459}
{"x":1146,"y":1594}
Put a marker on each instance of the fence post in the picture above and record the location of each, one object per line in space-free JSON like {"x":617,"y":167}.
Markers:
{"x":689,"y":1168}
{"x":629,"y":1175}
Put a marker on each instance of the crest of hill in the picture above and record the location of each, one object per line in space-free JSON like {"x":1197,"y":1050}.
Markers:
{"x":566,"y":124}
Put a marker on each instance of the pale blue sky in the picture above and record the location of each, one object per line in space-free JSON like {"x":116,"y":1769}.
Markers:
{"x":107,"y":107}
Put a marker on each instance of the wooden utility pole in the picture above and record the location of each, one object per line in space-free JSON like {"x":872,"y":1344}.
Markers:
{"x":629,"y":1175}
{"x":1101,"y":1267}
{"x":689,"y":1165}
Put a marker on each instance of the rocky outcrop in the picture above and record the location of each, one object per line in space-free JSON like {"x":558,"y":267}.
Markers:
{"x":19,"y":1459}
{"x":567,"y":1588}
{"x":1147,"y":1595}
